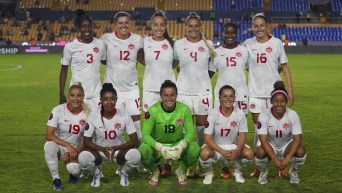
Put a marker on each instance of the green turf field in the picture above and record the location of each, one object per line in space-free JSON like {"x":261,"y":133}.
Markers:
{"x":29,"y":93}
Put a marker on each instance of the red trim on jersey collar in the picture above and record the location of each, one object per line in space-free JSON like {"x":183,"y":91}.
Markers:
{"x":157,"y":40}
{"x":116,"y":34}
{"x":187,"y":38}
{"x":115,"y":111}
{"x":220,"y":109}
{"x":269,"y":37}
{"x":68,"y":107}
{"x":224,"y":46}
{"x":272,"y":111}
{"x":79,"y":39}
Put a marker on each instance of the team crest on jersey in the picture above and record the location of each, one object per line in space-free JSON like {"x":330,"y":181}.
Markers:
{"x":131,"y":46}
{"x":51,"y":116}
{"x":179,"y":121}
{"x":206,"y":125}
{"x":233,"y":124}
{"x":82,"y":122}
{"x":286,"y":126}
{"x":165,"y":46}
{"x":269,"y":50}
{"x":147,"y":115}
{"x":201,"y":49}
{"x":252,"y":106}
{"x":86,"y":126}
{"x":117,"y":126}
{"x":238,"y":54}
{"x":96,"y":49}
{"x":259,"y":125}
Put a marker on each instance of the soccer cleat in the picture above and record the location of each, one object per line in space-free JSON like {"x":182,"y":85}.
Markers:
{"x":72,"y":179}
{"x":142,"y":169}
{"x":238,"y":176}
{"x":154,"y":179}
{"x":84,"y":174}
{"x":181,"y":177}
{"x":57,"y":184}
{"x":294,"y":179}
{"x":123,"y":178}
{"x":283,"y":173}
{"x":255,"y":173}
{"x":225,"y":173}
{"x":263,"y":177}
{"x":166,"y":171}
{"x":208,"y":177}
{"x":96,"y":180}
{"x":190,"y":171}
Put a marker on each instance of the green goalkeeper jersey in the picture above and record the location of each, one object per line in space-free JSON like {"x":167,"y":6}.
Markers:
{"x":168,"y":127}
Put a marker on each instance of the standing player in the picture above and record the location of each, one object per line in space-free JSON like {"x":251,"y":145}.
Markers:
{"x":104,"y":139}
{"x":225,"y":137}
{"x":168,"y":132}
{"x":158,"y":52}
{"x":280,"y":134}
{"x":64,"y":135}
{"x":231,"y":62}
{"x":123,"y":48}
{"x":83,"y":54}
{"x":265,"y":54}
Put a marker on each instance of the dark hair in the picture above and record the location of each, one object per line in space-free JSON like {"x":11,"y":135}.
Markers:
{"x":166,"y":34}
{"x":225,"y":27}
{"x":168,"y":84}
{"x":80,"y":16}
{"x":259,"y":15}
{"x":121,"y":14}
{"x":106,"y":87}
{"x":279,"y":87}
{"x":226,"y":87}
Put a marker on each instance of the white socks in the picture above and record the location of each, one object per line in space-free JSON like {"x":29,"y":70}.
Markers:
{"x":51,"y":149}
{"x":261,"y":164}
{"x":297,"y":163}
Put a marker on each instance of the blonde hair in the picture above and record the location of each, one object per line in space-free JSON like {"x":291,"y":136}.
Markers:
{"x":194,"y":15}
{"x":79,"y":86}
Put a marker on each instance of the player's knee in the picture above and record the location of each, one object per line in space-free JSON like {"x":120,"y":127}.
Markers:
{"x":51,"y":148}
{"x":205,"y":153}
{"x":300,"y":151}
{"x":86,"y":160}
{"x":248,"y":154}
{"x":132,"y":157}
{"x":73,"y":168}
{"x":145,"y":150}
{"x":259,"y":152}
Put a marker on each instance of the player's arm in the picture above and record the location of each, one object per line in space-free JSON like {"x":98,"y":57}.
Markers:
{"x":175,"y":64}
{"x":141,"y":57}
{"x":212,"y":144}
{"x":133,"y":142}
{"x":62,"y":79}
{"x":87,"y":141}
{"x":148,"y":126}
{"x":288,"y":80}
{"x":188,"y":126}
{"x":269,"y":151}
{"x":241,"y":143}
{"x":293,"y":148}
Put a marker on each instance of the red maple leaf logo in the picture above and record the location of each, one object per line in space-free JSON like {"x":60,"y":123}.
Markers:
{"x":238,"y":54}
{"x":179,"y":121}
{"x":201,"y":49}
{"x":131,"y":46}
{"x":117,"y":126}
{"x":269,"y":50}
{"x":233,"y":124}
{"x":82,"y":122}
{"x":96,"y":49}
{"x":165,"y":46}
{"x":286,"y":126}
{"x":252,"y":106}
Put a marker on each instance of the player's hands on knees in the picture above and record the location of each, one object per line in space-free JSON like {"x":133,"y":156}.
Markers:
{"x":65,"y":157}
{"x":278,"y":165}
{"x":164,"y":150}
{"x":72,"y":152}
{"x":106,"y":151}
{"x":177,"y":150}
{"x":233,"y":154}
{"x":285,"y":162}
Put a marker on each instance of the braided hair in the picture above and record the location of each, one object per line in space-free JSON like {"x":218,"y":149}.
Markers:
{"x":106,"y":87}
{"x":80,"y":16}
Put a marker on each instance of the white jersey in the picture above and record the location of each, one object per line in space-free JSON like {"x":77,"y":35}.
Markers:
{"x":231,"y":65}
{"x":121,"y":68}
{"x":85,"y":60}
{"x":69,"y":127}
{"x":194,"y":61}
{"x":263,"y":65}
{"x":225,"y":130}
{"x":158,"y":63}
{"x":110,"y":132}
{"x":279,"y":131}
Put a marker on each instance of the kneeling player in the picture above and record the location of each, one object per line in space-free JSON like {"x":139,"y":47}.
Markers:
{"x":225,"y":137}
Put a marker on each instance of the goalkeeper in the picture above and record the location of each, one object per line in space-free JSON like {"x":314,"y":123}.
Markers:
{"x":168,"y":133}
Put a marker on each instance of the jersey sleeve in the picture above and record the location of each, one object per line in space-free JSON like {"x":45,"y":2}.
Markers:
{"x":209,"y":127}
{"x":54,"y":117}
{"x":296,"y":126}
{"x":66,"y":58}
{"x":262,"y":125}
{"x":129,"y":125}
{"x":188,"y":125}
{"x":148,"y":126}
{"x":89,"y":127}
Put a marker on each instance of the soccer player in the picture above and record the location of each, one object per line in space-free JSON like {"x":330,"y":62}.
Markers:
{"x":231,"y":62}
{"x":158,"y":55}
{"x":280,"y":134}
{"x":266,"y":52}
{"x":64,"y":135}
{"x":84,"y":55}
{"x":123,"y":49}
{"x":168,"y":132}
{"x":104,"y":139}
{"x":225,"y":137}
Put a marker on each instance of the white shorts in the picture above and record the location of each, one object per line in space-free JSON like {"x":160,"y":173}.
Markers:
{"x":93,"y":104}
{"x":150,"y":98}
{"x":198,"y":104}
{"x":259,"y":105}
{"x":218,"y":156}
{"x":241,"y":104}
{"x":129,"y":101}
{"x":279,"y":152}
{"x":62,"y":149}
